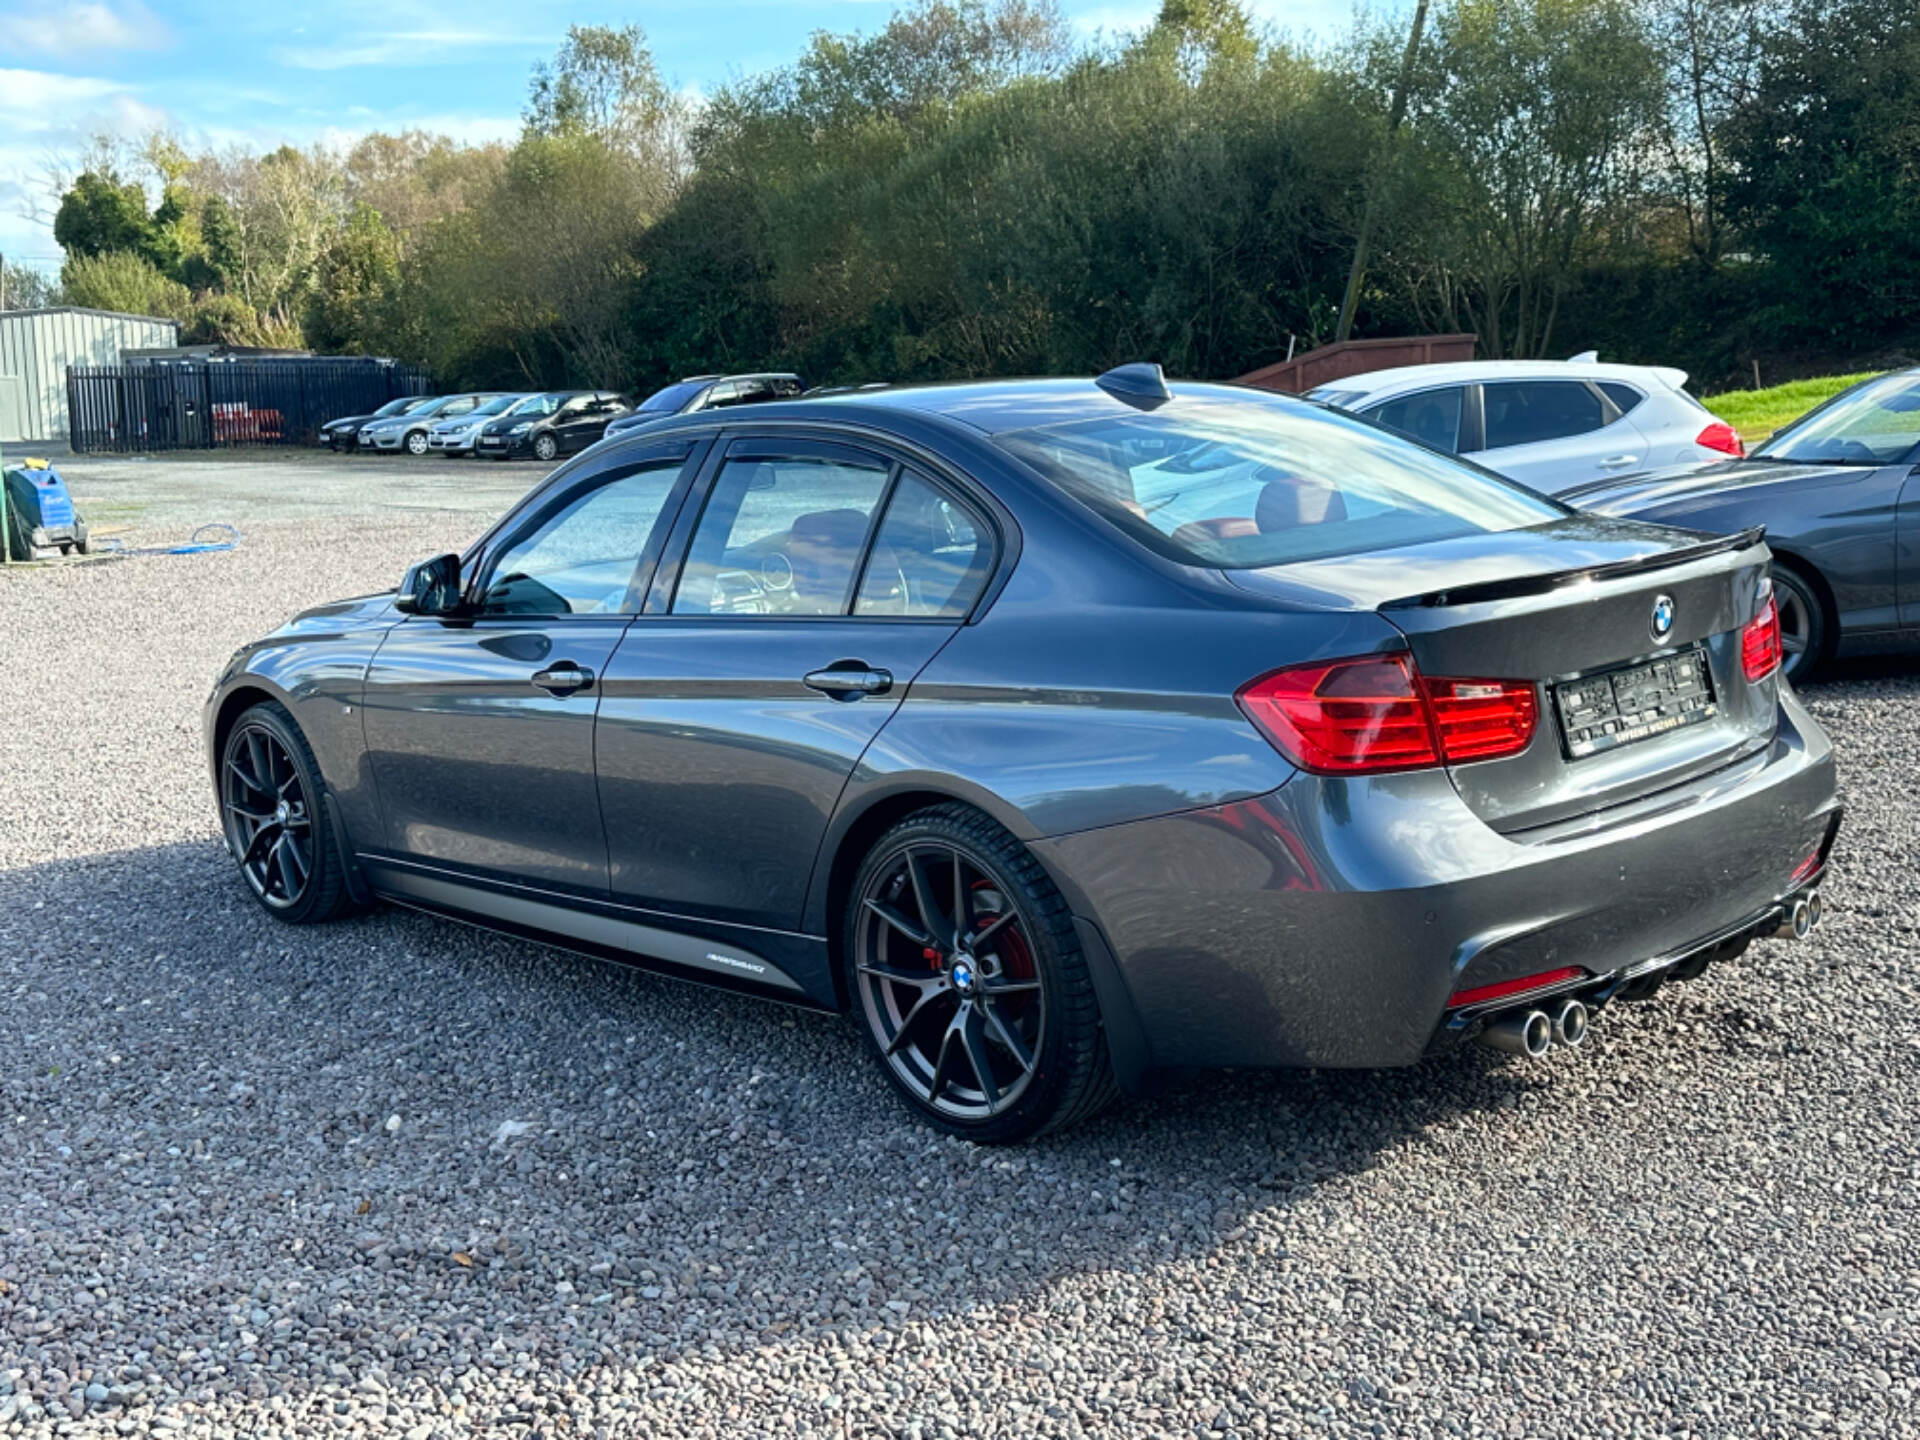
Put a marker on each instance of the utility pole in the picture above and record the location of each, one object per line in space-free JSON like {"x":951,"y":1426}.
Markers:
{"x":1396,"y":112}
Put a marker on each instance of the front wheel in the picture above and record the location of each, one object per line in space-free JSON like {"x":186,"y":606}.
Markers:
{"x":545,"y":447}
{"x":416,"y":443}
{"x":1803,"y":624}
{"x":273,"y":809}
{"x":965,"y":969}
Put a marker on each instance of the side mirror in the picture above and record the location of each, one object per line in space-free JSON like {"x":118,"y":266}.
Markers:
{"x":430,"y":588}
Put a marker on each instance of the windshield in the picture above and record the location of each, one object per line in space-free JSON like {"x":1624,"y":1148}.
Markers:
{"x":523,"y":404}
{"x":496,"y":406}
{"x":669,"y":400}
{"x":1241,"y":483}
{"x":398,"y":407}
{"x":1872,"y":424}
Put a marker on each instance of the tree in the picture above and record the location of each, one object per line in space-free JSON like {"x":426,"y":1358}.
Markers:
{"x":121,"y":280}
{"x":604,"y":85}
{"x":102,"y":213}
{"x":356,"y":274}
{"x":22,"y":288}
{"x":1824,"y":176}
{"x":1534,"y":117}
{"x":1713,"y":55}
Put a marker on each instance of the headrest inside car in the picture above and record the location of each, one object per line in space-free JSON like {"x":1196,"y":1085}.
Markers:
{"x":1289,"y":504}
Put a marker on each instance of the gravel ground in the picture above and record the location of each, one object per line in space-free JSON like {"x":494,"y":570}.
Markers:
{"x":397,"y":1177}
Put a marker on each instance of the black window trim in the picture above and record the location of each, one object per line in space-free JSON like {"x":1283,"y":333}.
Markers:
{"x":787,"y":441}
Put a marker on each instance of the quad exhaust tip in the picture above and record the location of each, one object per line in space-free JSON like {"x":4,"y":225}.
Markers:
{"x":1800,"y":917}
{"x":1570,"y":1024}
{"x":1534,"y":1032}
{"x":1520,"y":1032}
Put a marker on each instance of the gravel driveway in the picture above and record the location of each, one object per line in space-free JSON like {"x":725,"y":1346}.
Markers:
{"x":398,"y":1177}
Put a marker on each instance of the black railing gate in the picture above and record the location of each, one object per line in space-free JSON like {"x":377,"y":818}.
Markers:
{"x":200,"y":404}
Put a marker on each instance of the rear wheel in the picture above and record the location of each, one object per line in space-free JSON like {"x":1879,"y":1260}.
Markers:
{"x":1803,"y":623}
{"x":274,"y":809}
{"x":967,"y":974}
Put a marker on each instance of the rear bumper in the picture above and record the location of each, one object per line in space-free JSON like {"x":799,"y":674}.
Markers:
{"x":1327,"y":922}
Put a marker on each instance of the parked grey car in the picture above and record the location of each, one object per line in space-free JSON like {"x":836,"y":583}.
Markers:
{"x":1333,"y":751}
{"x":1838,"y":493}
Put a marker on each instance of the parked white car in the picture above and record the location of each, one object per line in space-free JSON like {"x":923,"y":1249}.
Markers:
{"x":457,"y":434}
{"x":1550,"y":424}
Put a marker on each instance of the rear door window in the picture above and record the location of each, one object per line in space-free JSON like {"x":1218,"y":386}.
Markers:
{"x":930,"y":558}
{"x":781,"y":536}
{"x":1526,"y":412}
{"x":1431,"y":416}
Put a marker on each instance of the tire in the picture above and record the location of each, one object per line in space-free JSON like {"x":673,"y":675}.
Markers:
{"x":416,"y":442}
{"x":266,"y":759}
{"x":1804,"y":623}
{"x":1022,"y":1004}
{"x":545,"y":447}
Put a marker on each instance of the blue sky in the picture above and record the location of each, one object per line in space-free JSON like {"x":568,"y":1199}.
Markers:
{"x":273,"y":71}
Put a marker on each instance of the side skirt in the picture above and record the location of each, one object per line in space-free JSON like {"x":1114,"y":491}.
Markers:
{"x":600,"y":932}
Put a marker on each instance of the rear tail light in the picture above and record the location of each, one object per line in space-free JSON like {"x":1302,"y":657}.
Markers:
{"x":1482,"y":719}
{"x":1722,"y":437}
{"x":1378,"y":713}
{"x":1760,"y":643}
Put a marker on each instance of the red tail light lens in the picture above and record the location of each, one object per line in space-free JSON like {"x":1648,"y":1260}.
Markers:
{"x":1760,"y":644}
{"x":1482,"y":719}
{"x":1378,"y":713}
{"x":1721,"y":437}
{"x":1349,"y":717}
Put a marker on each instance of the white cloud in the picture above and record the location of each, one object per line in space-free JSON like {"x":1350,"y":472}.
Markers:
{"x":46,"y":118}
{"x":88,"y":28}
{"x":408,"y":47}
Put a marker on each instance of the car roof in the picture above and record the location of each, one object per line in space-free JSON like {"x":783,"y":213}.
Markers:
{"x":1461,"y":372}
{"x":990,"y":407}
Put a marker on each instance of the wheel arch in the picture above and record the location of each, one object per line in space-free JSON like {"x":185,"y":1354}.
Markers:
{"x":1796,"y":561}
{"x":856,"y":830}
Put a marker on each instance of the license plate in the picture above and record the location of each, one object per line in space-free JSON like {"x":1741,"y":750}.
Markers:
{"x":491,"y":440}
{"x":1637,"y":702}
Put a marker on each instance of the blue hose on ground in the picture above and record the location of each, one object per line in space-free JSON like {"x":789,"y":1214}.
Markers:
{"x":209,"y":539}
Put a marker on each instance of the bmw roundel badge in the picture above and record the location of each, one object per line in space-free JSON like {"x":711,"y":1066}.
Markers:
{"x":1662,"y":622}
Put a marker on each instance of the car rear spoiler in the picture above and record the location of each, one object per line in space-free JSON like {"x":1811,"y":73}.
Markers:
{"x":1522,"y":585}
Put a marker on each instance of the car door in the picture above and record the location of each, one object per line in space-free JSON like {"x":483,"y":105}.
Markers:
{"x":582,"y":426}
{"x":817,"y":581}
{"x":479,"y":730}
{"x":1555,"y":434}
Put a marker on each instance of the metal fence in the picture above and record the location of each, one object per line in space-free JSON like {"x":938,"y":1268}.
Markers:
{"x":204,"y":404}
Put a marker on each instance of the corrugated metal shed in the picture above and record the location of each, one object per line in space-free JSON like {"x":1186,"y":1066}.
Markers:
{"x":37,"y":346}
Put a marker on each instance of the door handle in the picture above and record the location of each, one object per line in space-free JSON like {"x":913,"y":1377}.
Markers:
{"x":564,"y":678}
{"x":849,"y":680}
{"x":1616,"y":461}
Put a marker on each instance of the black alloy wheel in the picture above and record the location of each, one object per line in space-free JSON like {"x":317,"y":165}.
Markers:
{"x":274,"y":812}
{"x":545,"y":447}
{"x":964,"y":965}
{"x":1803,"y":624}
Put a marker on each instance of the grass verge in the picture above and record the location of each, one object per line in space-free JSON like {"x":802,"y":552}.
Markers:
{"x":1756,"y":414}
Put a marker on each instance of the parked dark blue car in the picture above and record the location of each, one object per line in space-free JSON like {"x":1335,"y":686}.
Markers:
{"x":1059,"y":730}
{"x":1838,"y":493}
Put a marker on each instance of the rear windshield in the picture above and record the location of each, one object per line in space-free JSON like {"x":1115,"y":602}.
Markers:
{"x":1240,"y":483}
{"x":669,"y":400}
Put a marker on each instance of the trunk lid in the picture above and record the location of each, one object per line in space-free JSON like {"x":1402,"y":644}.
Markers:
{"x":1624,"y":711}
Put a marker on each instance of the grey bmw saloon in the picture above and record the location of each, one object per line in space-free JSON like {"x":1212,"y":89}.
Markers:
{"x":1059,"y":731}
